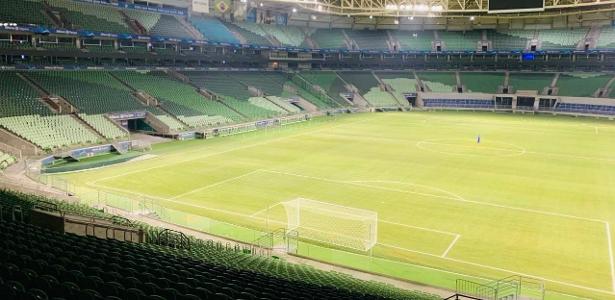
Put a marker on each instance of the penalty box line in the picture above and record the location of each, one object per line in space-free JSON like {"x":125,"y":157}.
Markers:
{"x":612,"y":263}
{"x":461,"y":199}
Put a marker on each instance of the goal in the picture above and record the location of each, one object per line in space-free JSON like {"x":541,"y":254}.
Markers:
{"x":328,"y":223}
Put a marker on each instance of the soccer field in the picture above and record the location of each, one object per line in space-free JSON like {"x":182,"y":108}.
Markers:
{"x":536,"y":197}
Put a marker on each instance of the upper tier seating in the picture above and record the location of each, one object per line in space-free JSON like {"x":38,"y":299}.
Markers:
{"x":581,"y":84}
{"x":482,"y":82}
{"x":49,"y":132}
{"x":561,"y":38}
{"x":607,"y":38}
{"x":214,"y":30}
{"x":92,"y":92}
{"x":510,"y":39}
{"x":169,"y":26}
{"x":530,"y":81}
{"x":456,"y":40}
{"x":23,"y":12}
{"x":41,"y":262}
{"x":329,"y":38}
{"x":147,"y":19}
{"x":91,"y":16}
{"x":251,"y":37}
{"x":180,"y":99}
{"x":369,"y":39}
{"x":287,"y":35}
{"x":417,"y":41}
{"x":18,"y":98}
{"x":440,"y":82}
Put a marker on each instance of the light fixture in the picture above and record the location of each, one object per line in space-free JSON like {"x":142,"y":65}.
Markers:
{"x":294,"y":10}
{"x":319,"y":7}
{"x":371,"y":17}
{"x":411,"y":18}
{"x":472,"y":18}
{"x":313,"y":17}
{"x":437,"y":8}
{"x":396,"y":22}
{"x":261,"y":4}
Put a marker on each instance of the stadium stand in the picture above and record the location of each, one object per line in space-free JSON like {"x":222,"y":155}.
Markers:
{"x":581,"y":84}
{"x":180,"y":99}
{"x":18,"y":98}
{"x":329,"y":38}
{"x":561,"y":38}
{"x":24,"y":12}
{"x":328,"y":81}
{"x":250,"y":37}
{"x":369,"y":88}
{"x":583,"y":108}
{"x":49,"y":132}
{"x":47,"y":264}
{"x":456,"y":40}
{"x":369,"y":39}
{"x":530,"y":81}
{"x":147,"y":19}
{"x":103,"y":126}
{"x":214,"y":30}
{"x":6,"y":160}
{"x":440,"y":82}
{"x":482,"y":82}
{"x":82,"y":15}
{"x":287,"y":35}
{"x":509,"y":39}
{"x":607,"y":38}
{"x":92,"y":92}
{"x":459,"y":103}
{"x":400,"y":82}
{"x":417,"y":41}
{"x":169,"y":26}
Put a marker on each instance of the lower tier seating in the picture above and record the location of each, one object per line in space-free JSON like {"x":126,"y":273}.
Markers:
{"x":103,"y":126}
{"x":49,"y":132}
{"x":6,"y":160}
{"x":40,"y":264}
{"x":459,"y":103}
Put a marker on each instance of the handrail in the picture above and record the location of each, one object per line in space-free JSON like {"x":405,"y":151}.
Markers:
{"x":107,"y":227}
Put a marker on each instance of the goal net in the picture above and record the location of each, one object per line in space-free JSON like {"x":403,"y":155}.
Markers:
{"x":327,"y":223}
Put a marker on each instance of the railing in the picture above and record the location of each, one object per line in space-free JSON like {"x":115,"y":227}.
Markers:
{"x":475,"y":290}
{"x":170,"y":238}
{"x":127,"y":234}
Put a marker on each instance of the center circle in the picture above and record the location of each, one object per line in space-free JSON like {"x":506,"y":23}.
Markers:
{"x":471,"y":147}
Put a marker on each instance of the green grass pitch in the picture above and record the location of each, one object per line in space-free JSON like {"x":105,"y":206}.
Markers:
{"x":535,"y":197}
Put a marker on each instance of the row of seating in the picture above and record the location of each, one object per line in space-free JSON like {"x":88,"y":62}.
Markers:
{"x":459,"y":103}
{"x":80,"y":15}
{"x":41,"y":264}
{"x":181,"y":99}
{"x":19,"y":98}
{"x":49,"y":132}
{"x":586,"y":108}
{"x":6,"y":160}
{"x":103,"y":126}
{"x":92,"y":92}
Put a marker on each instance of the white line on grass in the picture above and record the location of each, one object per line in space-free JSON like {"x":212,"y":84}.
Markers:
{"x":421,"y":228}
{"x":457,"y":198}
{"x":386,"y":245}
{"x":214,"y":184}
{"x":608,"y":235}
{"x":193,"y":158}
{"x":451,"y":246}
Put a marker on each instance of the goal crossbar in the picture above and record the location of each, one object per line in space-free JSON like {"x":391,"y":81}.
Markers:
{"x":335,"y":224}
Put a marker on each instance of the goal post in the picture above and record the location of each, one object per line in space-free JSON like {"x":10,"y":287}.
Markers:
{"x":333,"y":224}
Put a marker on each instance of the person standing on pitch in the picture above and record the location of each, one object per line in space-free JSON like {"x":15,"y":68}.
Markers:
{"x":478,"y":139}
